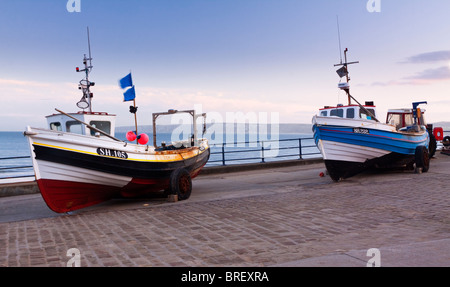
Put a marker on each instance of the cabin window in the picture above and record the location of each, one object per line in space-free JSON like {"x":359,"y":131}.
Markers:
{"x":364,"y":115}
{"x":395,"y":120}
{"x":337,"y":113}
{"x":74,"y":127}
{"x":351,"y":113}
{"x":324,"y":113}
{"x":409,"y":120}
{"x":422,"y":120}
{"x":56,"y":126}
{"x":101,"y":125}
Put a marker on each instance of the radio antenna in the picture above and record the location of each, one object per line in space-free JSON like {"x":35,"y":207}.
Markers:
{"x":85,"y":84}
{"x":89,"y":44}
{"x":339,"y":36}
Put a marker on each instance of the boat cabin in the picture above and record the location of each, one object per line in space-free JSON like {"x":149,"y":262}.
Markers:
{"x":102,"y":121}
{"x":401,"y":118}
{"x":350,"y":111}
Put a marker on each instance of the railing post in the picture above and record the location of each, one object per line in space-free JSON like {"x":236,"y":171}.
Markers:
{"x":262,"y":152}
{"x":300,"y":148}
{"x":223,"y":154}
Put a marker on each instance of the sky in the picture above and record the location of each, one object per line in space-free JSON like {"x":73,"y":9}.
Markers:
{"x":226,"y":56}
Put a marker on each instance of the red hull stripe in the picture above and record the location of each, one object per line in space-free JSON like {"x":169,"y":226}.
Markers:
{"x":379,"y":136}
{"x":65,"y":196}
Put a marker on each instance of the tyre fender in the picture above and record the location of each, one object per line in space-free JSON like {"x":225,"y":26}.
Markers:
{"x":422,"y":158}
{"x":181,"y":183}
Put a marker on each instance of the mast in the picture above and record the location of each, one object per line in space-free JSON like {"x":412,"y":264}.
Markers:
{"x":85,"y":84}
{"x":339,"y":37}
{"x":343,"y":72}
{"x":133,"y":110}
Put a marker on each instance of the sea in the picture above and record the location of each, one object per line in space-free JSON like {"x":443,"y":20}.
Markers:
{"x":15,"y":155}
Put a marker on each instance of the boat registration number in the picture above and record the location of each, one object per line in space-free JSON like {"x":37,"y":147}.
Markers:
{"x":361,"y":131}
{"x":112,"y":153}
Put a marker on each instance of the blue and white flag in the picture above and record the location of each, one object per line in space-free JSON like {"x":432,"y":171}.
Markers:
{"x":126,"y":81}
{"x":129,"y":95}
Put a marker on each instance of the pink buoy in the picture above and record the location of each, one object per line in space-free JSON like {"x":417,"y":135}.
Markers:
{"x":131,"y":136}
{"x":143,"y":139}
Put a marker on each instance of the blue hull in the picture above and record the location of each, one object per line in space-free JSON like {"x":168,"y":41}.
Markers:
{"x":396,"y":142}
{"x":398,"y":148}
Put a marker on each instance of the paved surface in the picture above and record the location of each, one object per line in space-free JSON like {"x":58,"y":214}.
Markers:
{"x":277,"y":217}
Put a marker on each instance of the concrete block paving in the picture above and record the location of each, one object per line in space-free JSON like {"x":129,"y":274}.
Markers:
{"x":309,"y":222}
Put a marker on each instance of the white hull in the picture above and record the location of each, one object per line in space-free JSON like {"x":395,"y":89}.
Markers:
{"x":62,"y":172}
{"x":89,"y":145}
{"x":347,"y":152}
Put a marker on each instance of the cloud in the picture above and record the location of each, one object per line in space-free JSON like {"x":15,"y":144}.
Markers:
{"x":386,"y":84}
{"x":424,"y":77}
{"x":438,"y":74}
{"x":27,"y":102}
{"x":23,"y":83}
{"x":30,"y":91}
{"x":430,"y":57}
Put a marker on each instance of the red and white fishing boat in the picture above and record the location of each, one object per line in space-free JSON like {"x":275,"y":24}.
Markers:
{"x":78,"y":161}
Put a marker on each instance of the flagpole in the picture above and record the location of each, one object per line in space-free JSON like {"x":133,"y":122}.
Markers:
{"x":128,"y":82}
{"x":135,"y":119}
{"x":135,"y":116}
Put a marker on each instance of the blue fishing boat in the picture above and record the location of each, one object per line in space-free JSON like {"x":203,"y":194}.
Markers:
{"x":352,"y":139}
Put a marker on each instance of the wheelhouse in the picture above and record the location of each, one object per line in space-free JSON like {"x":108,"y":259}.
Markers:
{"x":401,"y":118}
{"x":350,"y":111}
{"x":102,"y":121}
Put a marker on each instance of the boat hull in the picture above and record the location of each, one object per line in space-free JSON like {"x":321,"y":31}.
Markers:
{"x":74,"y":171}
{"x":349,"y":147}
{"x":345,"y":169}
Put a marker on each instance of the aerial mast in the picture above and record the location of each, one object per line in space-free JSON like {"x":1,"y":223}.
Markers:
{"x":85,"y":84}
{"x":343,"y":72}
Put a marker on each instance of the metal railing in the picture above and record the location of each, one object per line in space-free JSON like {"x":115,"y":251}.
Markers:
{"x":262,"y":151}
{"x":221,"y":154}
{"x":14,"y":170}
